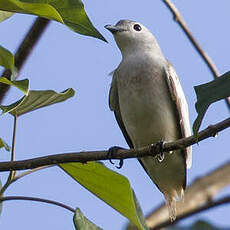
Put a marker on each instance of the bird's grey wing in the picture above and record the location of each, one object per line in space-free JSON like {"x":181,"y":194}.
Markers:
{"x":179,"y":100}
{"x":114,"y":106}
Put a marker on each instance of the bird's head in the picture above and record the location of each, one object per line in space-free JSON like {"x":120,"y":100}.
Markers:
{"x":130,"y":36}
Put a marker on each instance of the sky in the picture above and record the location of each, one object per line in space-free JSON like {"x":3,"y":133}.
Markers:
{"x":64,"y":59}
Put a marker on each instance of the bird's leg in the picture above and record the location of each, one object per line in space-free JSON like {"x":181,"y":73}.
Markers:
{"x":159,"y":148}
{"x":112,"y":152}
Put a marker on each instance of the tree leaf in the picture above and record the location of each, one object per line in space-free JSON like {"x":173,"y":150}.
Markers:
{"x":209,"y":93}
{"x":82,"y":223}
{"x":4,"y":145}
{"x":22,"y":85}
{"x":36,"y":99}
{"x":109,"y":186}
{"x":5,"y":15}
{"x":198,"y":225}
{"x":68,"y":12}
{"x":7,"y":60}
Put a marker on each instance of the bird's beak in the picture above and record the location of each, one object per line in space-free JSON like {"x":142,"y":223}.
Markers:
{"x":114,"y":29}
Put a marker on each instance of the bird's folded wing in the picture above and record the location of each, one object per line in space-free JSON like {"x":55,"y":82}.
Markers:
{"x":114,"y":106}
{"x":178,"y":98}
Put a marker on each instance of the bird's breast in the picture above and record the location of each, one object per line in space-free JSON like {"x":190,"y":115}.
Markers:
{"x":145,"y":105}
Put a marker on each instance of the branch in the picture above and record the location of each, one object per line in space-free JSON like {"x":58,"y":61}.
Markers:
{"x":205,"y":57}
{"x":210,"y":205}
{"x":12,"y":173}
{"x":198,"y":197}
{"x":38,"y":200}
{"x":24,"y":50}
{"x":15,"y":178}
{"x":83,"y":157}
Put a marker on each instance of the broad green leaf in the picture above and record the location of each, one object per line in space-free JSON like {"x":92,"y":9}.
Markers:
{"x":22,"y":85}
{"x":4,"y":15}
{"x":198,"y":225}
{"x":4,"y":145}
{"x":35,"y":100}
{"x":209,"y":93}
{"x":82,"y":223}
{"x":109,"y":186}
{"x":7,"y":59}
{"x":68,"y":12}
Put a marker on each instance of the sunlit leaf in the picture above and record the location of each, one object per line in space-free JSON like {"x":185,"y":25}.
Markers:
{"x":7,"y":59}
{"x":209,"y":93}
{"x":4,"y":145}
{"x":35,"y":100}
{"x":198,"y":225}
{"x":71,"y":13}
{"x":22,"y":85}
{"x":109,"y":186}
{"x":82,"y":223}
{"x":4,"y":15}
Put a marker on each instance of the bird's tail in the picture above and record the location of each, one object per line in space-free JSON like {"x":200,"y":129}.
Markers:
{"x":171,"y":200}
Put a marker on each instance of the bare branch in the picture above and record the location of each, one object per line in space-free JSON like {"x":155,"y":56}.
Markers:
{"x":38,"y":200}
{"x":199,"y":194}
{"x":83,"y":157}
{"x":205,"y":57}
{"x":198,"y":197}
{"x":24,"y":50}
{"x":212,"y":204}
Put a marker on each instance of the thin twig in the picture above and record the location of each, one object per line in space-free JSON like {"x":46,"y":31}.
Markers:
{"x":25,"y":49}
{"x":205,"y":207}
{"x":83,"y":157}
{"x":14,"y":138}
{"x":28,"y":172}
{"x":21,"y":175}
{"x":12,"y":172}
{"x":205,"y":57}
{"x":38,"y":200}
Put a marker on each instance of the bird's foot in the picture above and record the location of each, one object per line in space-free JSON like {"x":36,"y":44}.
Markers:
{"x":160,"y":157}
{"x":111,"y":153}
{"x":158,"y":147}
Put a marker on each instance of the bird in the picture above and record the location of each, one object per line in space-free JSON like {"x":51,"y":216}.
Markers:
{"x":150,"y":107}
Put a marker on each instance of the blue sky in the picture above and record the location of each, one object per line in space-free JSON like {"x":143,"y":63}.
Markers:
{"x":64,"y":59}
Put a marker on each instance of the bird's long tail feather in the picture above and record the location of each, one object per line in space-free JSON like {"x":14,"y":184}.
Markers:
{"x":171,"y":203}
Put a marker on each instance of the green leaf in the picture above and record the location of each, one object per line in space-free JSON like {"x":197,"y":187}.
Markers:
{"x":22,"y":85}
{"x":82,"y":223}
{"x":109,"y":186}
{"x":198,"y":225}
{"x":4,"y":15}
{"x":7,"y":60}
{"x":35,"y":100}
{"x":209,"y":93}
{"x":4,"y":145}
{"x":69,"y":12}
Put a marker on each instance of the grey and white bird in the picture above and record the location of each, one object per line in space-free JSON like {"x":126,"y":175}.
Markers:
{"x":149,"y":105}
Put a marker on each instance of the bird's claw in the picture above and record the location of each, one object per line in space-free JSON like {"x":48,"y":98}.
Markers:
{"x":160,"y":157}
{"x":111,"y":153}
{"x":158,"y":147}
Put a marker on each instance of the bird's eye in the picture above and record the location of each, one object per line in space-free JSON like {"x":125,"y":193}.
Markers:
{"x":137,"y":27}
